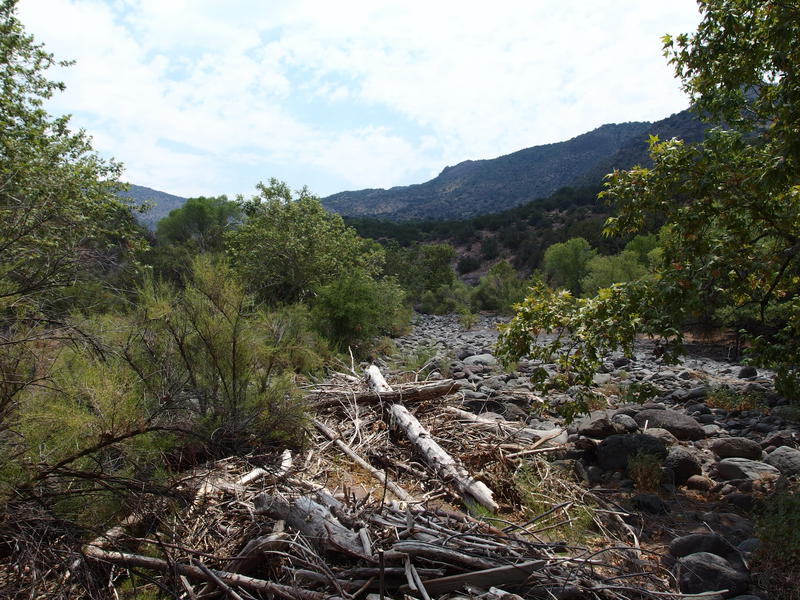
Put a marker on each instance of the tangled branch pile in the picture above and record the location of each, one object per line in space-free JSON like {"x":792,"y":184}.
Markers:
{"x":366,"y":513}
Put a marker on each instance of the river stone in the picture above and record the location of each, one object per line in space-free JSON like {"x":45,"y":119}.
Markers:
{"x":705,"y":542}
{"x":748,"y":371}
{"x":625,"y":421}
{"x":785,"y":437}
{"x":480,"y":359}
{"x":650,"y":503}
{"x":681,"y":426}
{"x":742,"y":468}
{"x":614,"y":451}
{"x":705,"y":572}
{"x":736,"y":447}
{"x":599,"y":426}
{"x":785,"y":459}
{"x":662,"y":434}
{"x":700,"y":482}
{"x":683,"y":463}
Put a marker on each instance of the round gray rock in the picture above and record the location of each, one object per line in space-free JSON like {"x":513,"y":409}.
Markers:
{"x":625,"y":421}
{"x":614,"y":451}
{"x":681,"y":426}
{"x":785,"y":459}
{"x":705,"y":542}
{"x":742,"y":468}
{"x":736,"y":447}
{"x":706,"y":572}
{"x":683,"y":463}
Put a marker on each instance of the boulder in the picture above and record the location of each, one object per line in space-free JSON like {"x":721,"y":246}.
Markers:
{"x":705,"y":542}
{"x":614,"y":451}
{"x":480,"y":359}
{"x":681,"y":426}
{"x":706,"y":572}
{"x":736,"y":447}
{"x":748,"y":371}
{"x":742,"y":468}
{"x":626,"y":422}
{"x":700,"y":483}
{"x":785,"y":459}
{"x":650,"y":503}
{"x":683,"y":463}
{"x":784,"y":437}
{"x":599,"y":426}
{"x":663,"y":435}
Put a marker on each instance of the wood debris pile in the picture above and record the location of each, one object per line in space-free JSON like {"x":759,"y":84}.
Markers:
{"x":374,"y":510}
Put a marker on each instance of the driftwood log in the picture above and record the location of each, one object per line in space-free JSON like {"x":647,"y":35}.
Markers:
{"x":125,"y":559}
{"x":418,"y":393}
{"x":312,"y":518}
{"x":448,"y":468}
{"x":506,"y":575}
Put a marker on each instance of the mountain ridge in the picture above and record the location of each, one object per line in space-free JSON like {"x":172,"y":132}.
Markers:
{"x":485,"y":186}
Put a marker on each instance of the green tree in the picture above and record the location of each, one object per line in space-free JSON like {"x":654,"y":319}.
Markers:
{"x":731,"y":206}
{"x":420,"y":267}
{"x":499,"y":289}
{"x":602,"y":271}
{"x":200,"y":222}
{"x":289,"y":245}
{"x":565,"y":263}
{"x":643,"y":246}
{"x":355,"y":308}
{"x":59,"y":213}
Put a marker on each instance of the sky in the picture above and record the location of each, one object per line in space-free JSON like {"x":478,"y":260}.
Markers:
{"x":209,"y":97}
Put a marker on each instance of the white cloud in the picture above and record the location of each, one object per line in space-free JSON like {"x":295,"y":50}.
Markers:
{"x":197,"y":95}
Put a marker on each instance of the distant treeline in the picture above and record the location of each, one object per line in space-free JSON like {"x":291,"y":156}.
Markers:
{"x":521,"y":234}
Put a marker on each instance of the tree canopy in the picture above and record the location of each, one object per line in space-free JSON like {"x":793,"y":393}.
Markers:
{"x":200,"y":221}
{"x":731,"y":205}
{"x":57,"y":197}
{"x":289,"y":245}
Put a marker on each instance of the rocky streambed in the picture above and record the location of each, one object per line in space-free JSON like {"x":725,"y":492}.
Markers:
{"x":719,"y":434}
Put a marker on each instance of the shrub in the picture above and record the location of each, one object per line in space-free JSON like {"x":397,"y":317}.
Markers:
{"x":724,"y":396}
{"x":645,"y":470}
{"x":354,"y":309}
{"x":776,"y":563}
{"x":446,"y":299}
{"x":467,"y":264}
{"x":499,"y":289}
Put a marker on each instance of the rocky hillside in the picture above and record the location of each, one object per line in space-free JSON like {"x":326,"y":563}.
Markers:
{"x":477,"y":187}
{"x":160,"y":203}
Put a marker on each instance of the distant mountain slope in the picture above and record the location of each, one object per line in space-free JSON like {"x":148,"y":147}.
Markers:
{"x":479,"y":187}
{"x":162,"y":203}
{"x":684,"y":125}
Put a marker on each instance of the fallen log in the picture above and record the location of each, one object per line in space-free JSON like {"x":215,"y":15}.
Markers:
{"x":437,"y":458}
{"x":507,"y":575}
{"x":411,"y":395}
{"x":125,"y":559}
{"x":439,"y":554}
{"x":314,"y":520}
{"x":379,"y":475}
{"x":513,"y":429}
{"x":434,"y":455}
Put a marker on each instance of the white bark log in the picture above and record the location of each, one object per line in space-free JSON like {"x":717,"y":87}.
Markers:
{"x":314,"y":520}
{"x":376,"y":380}
{"x":437,"y":458}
